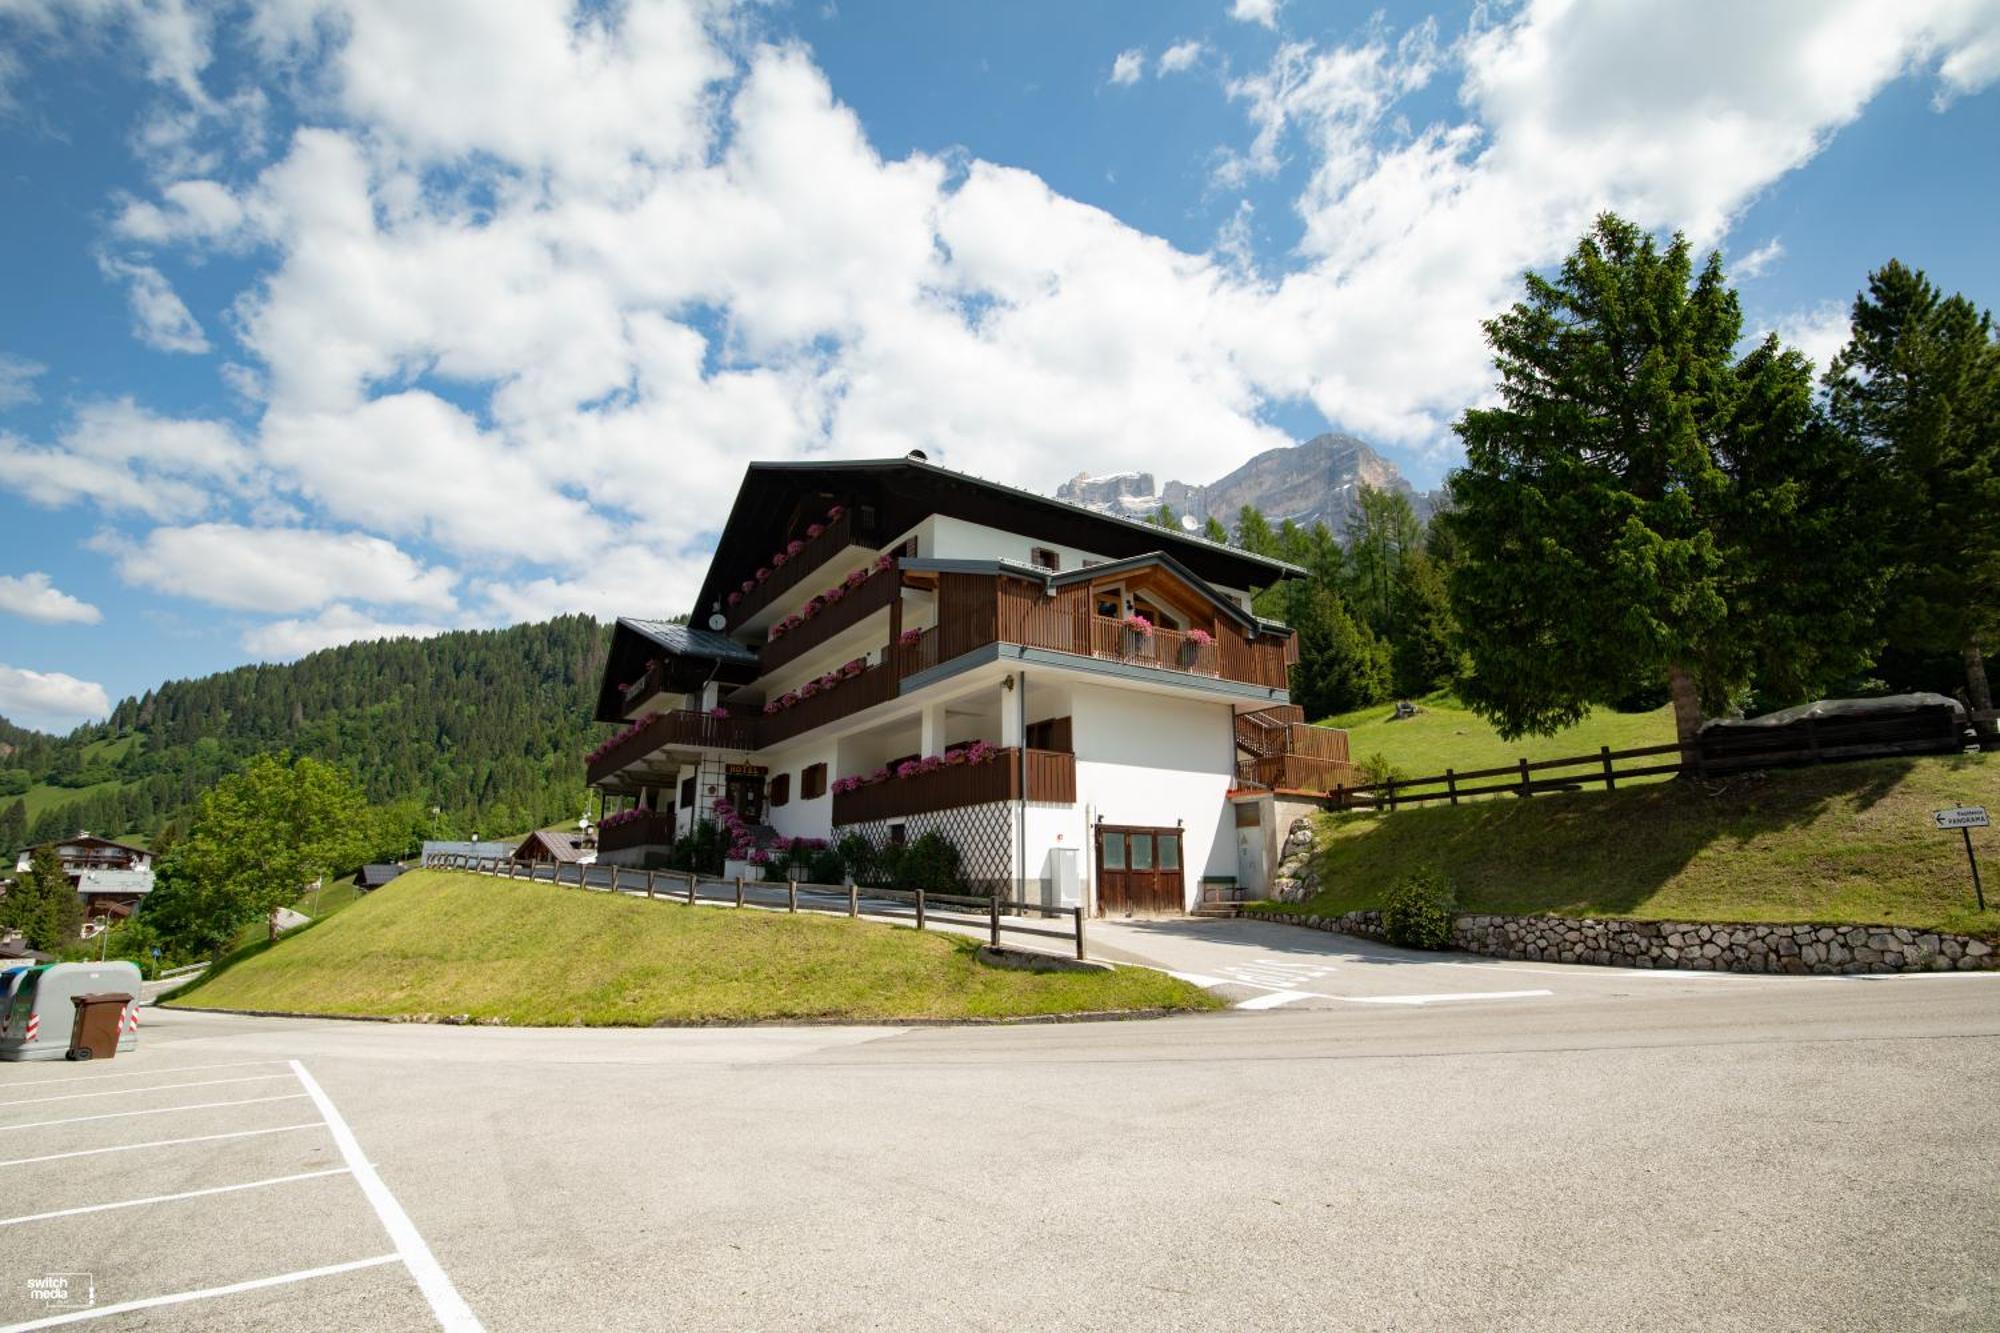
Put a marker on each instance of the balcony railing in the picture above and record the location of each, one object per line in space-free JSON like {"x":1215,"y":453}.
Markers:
{"x":681,"y":727}
{"x":1298,"y":772}
{"x":654,"y":828}
{"x":1066,"y":623}
{"x":876,"y":684}
{"x":879,"y":590}
{"x":1051,"y":778}
{"x":837,"y":537}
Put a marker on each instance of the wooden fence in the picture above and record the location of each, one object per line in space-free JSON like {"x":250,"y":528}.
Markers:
{"x":683,"y":886}
{"x":1744,"y":752}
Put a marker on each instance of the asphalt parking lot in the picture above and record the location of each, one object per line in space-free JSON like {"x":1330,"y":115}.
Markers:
{"x":1622,"y":1151}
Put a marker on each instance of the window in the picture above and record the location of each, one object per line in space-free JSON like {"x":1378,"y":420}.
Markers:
{"x":812,"y":782}
{"x":1170,"y":851}
{"x":898,"y":834}
{"x":1053,"y":734}
{"x":1114,"y":851}
{"x":1110,"y":602}
{"x":687,"y":792}
{"x":781,"y":789}
{"x":1042,"y":557}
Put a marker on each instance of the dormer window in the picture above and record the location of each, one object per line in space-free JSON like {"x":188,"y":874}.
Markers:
{"x":1043,"y":557}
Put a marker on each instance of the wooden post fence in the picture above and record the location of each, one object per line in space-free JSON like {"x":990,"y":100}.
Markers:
{"x":920,"y":909}
{"x":691,"y":883}
{"x":1451,"y":785}
{"x":739,"y":890}
{"x":1610,"y":780}
{"x":853,"y":898}
{"x":1079,"y":931}
{"x":791,"y":895}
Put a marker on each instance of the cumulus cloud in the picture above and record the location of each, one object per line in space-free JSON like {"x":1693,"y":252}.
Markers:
{"x":1128,"y":67}
{"x":279,"y":569}
{"x":159,"y":317}
{"x":35,"y":596}
{"x":1820,"y":332}
{"x":1263,"y":12}
{"x":17,"y":380}
{"x":50,"y":700}
{"x":124,"y":458}
{"x":1180,"y":56}
{"x":1757,"y":262}
{"x":284,"y":640}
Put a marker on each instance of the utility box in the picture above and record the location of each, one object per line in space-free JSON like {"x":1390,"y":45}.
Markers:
{"x":38,"y":1013}
{"x":100,"y":1022}
{"x":1065,"y":878}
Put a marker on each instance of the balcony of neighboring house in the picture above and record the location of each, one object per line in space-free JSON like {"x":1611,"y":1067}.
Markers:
{"x":629,"y":829}
{"x":674,"y":730}
{"x":1278,"y":749}
{"x":966,"y":775}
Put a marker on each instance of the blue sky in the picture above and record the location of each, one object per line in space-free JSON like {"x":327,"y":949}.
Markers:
{"x":326,"y":319}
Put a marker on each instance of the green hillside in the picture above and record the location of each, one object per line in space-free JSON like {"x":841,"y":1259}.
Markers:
{"x":438,"y":943}
{"x":490,"y":726}
{"x":1446,"y":734}
{"x":1843,"y":843}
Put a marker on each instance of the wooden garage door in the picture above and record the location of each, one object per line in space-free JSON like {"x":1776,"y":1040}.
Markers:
{"x":1139,"y":871}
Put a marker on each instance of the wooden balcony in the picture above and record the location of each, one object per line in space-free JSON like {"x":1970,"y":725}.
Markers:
{"x":651,"y":829}
{"x":837,"y":537}
{"x":1014,"y":611}
{"x":680,"y":728}
{"x":1298,"y":772}
{"x":1051,"y":778}
{"x":876,"y":684}
{"x":880,"y":590}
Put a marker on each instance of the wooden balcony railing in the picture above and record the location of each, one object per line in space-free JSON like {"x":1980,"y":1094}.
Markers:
{"x":1051,"y":778}
{"x":837,"y":537}
{"x":876,"y":684}
{"x":651,"y":829}
{"x":1298,"y":772}
{"x":681,"y":727}
{"x":1067,"y":623}
{"x":880,"y":590}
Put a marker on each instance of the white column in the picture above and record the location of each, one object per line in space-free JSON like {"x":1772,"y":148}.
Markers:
{"x":711,"y":695}
{"x":1010,"y":713}
{"x":931,"y":730}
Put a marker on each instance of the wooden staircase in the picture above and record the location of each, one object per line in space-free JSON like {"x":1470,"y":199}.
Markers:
{"x":1277,"y":748}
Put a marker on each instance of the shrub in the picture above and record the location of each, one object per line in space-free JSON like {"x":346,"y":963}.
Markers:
{"x":857,"y":858}
{"x":1417,"y":912}
{"x":699,"y":850}
{"x":1380,"y":769}
{"x":930,"y":863}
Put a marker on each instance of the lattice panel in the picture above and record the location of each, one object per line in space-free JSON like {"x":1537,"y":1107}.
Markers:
{"x":983,"y":834}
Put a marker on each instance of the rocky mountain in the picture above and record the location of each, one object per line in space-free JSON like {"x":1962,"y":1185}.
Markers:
{"x":1308,"y":483}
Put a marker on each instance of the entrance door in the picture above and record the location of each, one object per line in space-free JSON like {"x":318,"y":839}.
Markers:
{"x":745,"y":793}
{"x":1139,"y":871}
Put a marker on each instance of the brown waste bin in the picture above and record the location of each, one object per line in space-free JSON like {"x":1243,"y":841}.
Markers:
{"x":96,"y":1031}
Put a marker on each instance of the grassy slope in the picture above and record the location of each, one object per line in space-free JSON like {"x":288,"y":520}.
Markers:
{"x":1844,"y":843}
{"x":42,"y":796}
{"x":1447,"y":735}
{"x":432,"y":942}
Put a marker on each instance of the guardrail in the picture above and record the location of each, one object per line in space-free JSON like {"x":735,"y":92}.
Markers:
{"x":691,"y":888}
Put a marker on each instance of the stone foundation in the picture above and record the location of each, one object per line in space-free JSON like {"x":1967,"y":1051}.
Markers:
{"x":1693,"y":946}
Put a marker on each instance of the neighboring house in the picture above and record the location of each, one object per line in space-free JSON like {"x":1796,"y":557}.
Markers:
{"x":486,"y":850}
{"x":111,"y":877}
{"x":375,"y":876}
{"x":1078,"y":701}
{"x":552,"y":847}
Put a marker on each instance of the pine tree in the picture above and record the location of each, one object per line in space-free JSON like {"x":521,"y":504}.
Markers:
{"x":13,"y":828}
{"x":1214,"y":531}
{"x":1385,"y":532}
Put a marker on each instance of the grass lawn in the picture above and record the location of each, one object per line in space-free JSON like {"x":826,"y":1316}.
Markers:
{"x":1448,"y":735}
{"x":438,"y":943}
{"x":42,"y":797}
{"x":1842,"y":843}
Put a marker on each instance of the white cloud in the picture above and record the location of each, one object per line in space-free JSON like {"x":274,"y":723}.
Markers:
{"x":17,"y":380}
{"x":284,"y":640}
{"x":50,"y":700}
{"x":36,"y":597}
{"x":1819,"y":332}
{"x":1255,"y":11}
{"x":190,"y":210}
{"x":279,"y":569}
{"x":1758,"y":262}
{"x":126,"y":459}
{"x":1180,"y":56}
{"x":159,"y":317}
{"x":1128,"y":67}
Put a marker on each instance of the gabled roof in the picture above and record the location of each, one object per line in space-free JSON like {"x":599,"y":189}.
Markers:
{"x":689,"y":656}
{"x":376,"y":875}
{"x":560,"y":846}
{"x":777,"y":498}
{"x":690,"y":641}
{"x":468,"y":848}
{"x":90,"y":839}
{"x":1107,"y":569}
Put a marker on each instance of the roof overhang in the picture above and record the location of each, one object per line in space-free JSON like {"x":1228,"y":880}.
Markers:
{"x":689,"y":658}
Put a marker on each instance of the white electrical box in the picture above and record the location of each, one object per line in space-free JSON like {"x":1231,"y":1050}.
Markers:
{"x":1065,"y":882}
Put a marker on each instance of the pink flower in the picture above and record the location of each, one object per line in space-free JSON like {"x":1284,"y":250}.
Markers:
{"x":794,"y":547}
{"x":955,"y":756}
{"x":809,"y":689}
{"x":910,"y":637}
{"x":718,"y":711}
{"x":833,"y":514}
{"x":879,"y":775}
{"x":749,"y":585}
{"x":815,"y":529}
{"x":835,"y":593}
{"x":856,"y":578}
{"x":813,"y":607}
{"x":788,"y":699}
{"x":771,"y":709}
{"x":930,"y":763}
{"x":852,"y":669}
{"x":883,"y":563}
{"x":775,"y":633}
{"x":763,"y":573}
{"x":1139,"y":625}
{"x":829,"y":680}
{"x":909,"y":768}
{"x":759,"y":857}
{"x":777,"y":559}
{"x":979,"y":752}
{"x":735,"y":598}
{"x":1200,"y":638}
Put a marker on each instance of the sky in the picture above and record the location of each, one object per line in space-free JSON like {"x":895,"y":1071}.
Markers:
{"x":324,"y":320}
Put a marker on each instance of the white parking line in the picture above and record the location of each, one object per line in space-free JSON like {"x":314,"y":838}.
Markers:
{"x":450,"y":1308}
{"x":169,"y":1198}
{"x":156,"y":1087}
{"x":206,"y":1293}
{"x":157,"y":1110}
{"x":1440,"y":999}
{"x":1276,"y":998}
{"x":153,"y":1073}
{"x":163,"y":1143}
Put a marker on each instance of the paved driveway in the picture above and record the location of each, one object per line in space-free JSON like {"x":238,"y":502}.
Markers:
{"x":1774,"y":1152}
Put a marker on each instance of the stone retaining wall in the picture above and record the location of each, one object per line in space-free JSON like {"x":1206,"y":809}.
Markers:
{"x":1699,"y":947}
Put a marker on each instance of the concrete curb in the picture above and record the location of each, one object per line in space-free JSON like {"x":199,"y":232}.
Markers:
{"x":448,"y":1020}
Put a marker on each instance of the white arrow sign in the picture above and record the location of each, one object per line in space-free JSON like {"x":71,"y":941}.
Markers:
{"x":1965,"y":816}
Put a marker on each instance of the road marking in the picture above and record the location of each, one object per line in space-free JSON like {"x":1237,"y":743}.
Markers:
{"x":450,"y":1308}
{"x":1439,"y":999}
{"x":153,"y":1073}
{"x":157,"y":1087}
{"x":206,"y":1293}
{"x":1276,"y":998}
{"x":1198,"y":979}
{"x":163,"y":1143}
{"x":169,"y":1198}
{"x":157,"y":1110}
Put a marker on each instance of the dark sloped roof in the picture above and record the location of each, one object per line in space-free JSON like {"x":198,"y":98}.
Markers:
{"x":776,"y":498}
{"x":374,"y":876}
{"x":690,"y":641}
{"x":690,"y":655}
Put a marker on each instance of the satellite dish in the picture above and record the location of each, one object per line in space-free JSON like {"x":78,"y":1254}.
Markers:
{"x":717,"y":621}
{"x":1188,"y":524}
